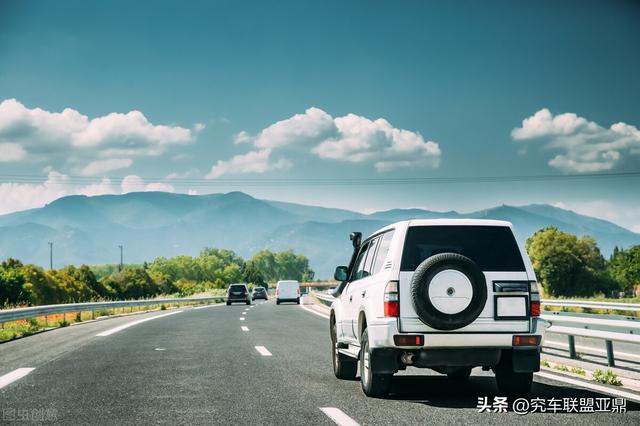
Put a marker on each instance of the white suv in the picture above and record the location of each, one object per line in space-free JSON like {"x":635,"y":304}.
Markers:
{"x":445,"y":294}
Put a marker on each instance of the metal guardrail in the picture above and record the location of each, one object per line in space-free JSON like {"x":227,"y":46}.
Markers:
{"x":609,"y":330}
{"x":615,"y":306}
{"x":44,"y":310}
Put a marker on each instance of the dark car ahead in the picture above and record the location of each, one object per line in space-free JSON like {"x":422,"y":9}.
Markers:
{"x":238,"y":293}
{"x":260,"y":293}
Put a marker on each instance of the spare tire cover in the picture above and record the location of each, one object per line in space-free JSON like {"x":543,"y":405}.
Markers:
{"x":448,"y":291}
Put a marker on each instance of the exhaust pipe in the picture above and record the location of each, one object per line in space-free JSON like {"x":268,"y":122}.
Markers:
{"x":408,"y":358}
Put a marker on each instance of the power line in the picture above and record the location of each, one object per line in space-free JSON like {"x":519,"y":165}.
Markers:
{"x":201,"y":182}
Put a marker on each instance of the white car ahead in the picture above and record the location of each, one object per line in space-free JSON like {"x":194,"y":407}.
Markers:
{"x":445,"y":294}
{"x":288,"y":291}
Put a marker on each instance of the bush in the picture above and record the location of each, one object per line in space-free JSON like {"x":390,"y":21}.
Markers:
{"x":578,"y":370}
{"x":561,"y":367}
{"x":607,"y":377}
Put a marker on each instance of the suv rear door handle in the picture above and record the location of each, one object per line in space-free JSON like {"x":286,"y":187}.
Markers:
{"x":364,"y":293}
{"x":351,"y":298}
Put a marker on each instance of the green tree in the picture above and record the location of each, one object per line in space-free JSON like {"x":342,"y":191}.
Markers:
{"x":42,"y":289}
{"x":12,"y":290}
{"x":134,"y":283}
{"x":284,"y":265}
{"x":567,"y":265}
{"x":624,"y":267}
{"x":252,"y":275}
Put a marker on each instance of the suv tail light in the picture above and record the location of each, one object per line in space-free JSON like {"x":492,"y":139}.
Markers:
{"x":527,"y":340}
{"x":391,"y":300}
{"x":534,"y":298}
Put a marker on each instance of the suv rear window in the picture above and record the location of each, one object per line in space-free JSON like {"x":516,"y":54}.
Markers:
{"x":237,"y":288}
{"x":492,"y":248}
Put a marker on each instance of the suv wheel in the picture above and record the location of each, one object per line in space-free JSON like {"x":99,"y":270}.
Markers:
{"x":460,"y":374}
{"x":344,"y":368}
{"x":509,"y":382}
{"x":373,"y":384}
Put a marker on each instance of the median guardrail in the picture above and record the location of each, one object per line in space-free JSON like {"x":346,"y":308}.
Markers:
{"x":7,"y":315}
{"x":609,"y":330}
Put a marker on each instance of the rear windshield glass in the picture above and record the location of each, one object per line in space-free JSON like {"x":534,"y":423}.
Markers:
{"x":237,"y":288}
{"x":492,"y":248}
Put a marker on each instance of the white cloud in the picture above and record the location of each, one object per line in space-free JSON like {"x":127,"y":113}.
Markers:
{"x":583,"y":146}
{"x":103,"y":187}
{"x":349,"y":138}
{"x":75,"y":136}
{"x":301,"y":127}
{"x":242,"y":137}
{"x":11,"y":152}
{"x":18,"y":196}
{"x":252,"y":162}
{"x":102,"y":166}
{"x":133,"y":183}
{"x":362,"y":140}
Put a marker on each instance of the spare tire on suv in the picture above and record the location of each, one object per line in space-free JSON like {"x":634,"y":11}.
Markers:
{"x":448,"y":291}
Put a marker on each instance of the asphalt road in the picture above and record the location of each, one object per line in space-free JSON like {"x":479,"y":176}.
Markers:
{"x":199,"y":366}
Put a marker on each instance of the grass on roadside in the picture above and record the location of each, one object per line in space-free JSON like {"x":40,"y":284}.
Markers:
{"x":578,"y":370}
{"x":607,"y":377}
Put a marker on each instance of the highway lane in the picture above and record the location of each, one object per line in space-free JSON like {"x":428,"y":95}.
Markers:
{"x":201,"y":367}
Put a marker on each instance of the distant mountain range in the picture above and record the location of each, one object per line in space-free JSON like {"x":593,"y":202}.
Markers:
{"x":150,"y":224}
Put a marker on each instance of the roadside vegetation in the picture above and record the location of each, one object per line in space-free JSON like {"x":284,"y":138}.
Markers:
{"x":568,"y":266}
{"x":607,"y":377}
{"x":211,"y":271}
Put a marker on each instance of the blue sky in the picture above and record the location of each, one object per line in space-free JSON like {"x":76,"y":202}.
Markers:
{"x":345,"y":89}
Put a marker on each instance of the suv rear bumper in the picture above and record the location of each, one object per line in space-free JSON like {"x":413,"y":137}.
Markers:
{"x":381,"y":336}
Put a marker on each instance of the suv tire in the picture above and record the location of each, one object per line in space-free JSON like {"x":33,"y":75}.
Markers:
{"x":373,"y":384}
{"x":423,"y":278}
{"x":344,"y":368}
{"x":509,"y":382}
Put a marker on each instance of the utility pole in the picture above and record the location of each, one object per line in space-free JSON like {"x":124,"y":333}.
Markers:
{"x":121,"y":258}
{"x":50,"y":255}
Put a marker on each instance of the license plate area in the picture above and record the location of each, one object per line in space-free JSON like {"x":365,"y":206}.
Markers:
{"x":511,"y":307}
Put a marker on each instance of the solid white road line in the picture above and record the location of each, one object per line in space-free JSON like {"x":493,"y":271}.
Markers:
{"x":263,"y":351}
{"x":209,"y":306}
{"x":339,"y":417}
{"x":592,"y":386}
{"x":244,"y":328}
{"x":132,"y":323}
{"x":13,"y":376}
{"x":314,"y":312}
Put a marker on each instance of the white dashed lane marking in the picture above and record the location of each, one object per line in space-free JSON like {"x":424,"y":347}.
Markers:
{"x":263,"y":351}
{"x":132,"y":323}
{"x":338,"y":416}
{"x":17,"y":374}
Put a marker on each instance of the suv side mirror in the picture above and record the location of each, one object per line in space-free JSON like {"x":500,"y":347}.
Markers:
{"x":340,"y":274}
